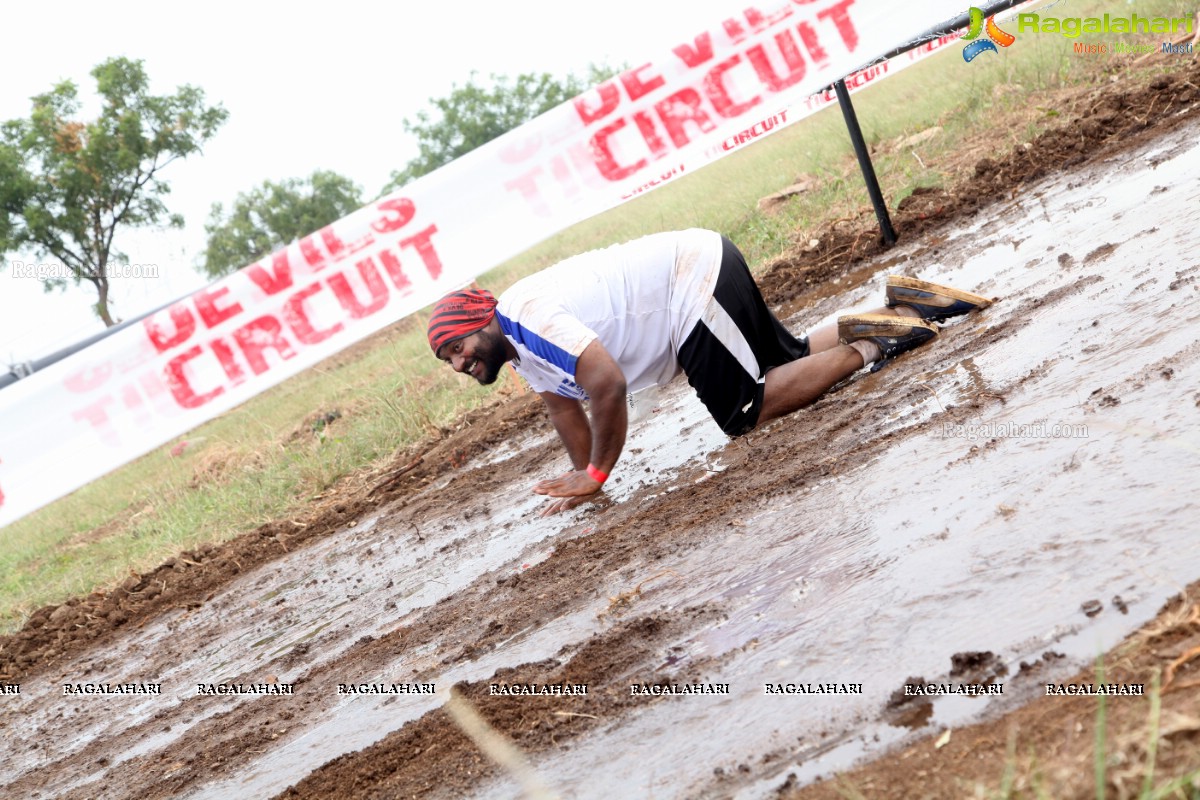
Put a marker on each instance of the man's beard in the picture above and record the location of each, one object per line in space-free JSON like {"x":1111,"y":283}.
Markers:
{"x":489,"y":351}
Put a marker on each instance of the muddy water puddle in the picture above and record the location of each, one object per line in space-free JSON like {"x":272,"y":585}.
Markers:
{"x":357,"y":722}
{"x":511,"y":538}
{"x":984,"y":534}
{"x":278,"y":622}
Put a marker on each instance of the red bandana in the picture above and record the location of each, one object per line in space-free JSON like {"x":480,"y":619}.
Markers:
{"x":460,"y":314}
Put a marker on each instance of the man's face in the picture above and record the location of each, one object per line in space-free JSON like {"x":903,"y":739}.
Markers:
{"x":480,"y":355}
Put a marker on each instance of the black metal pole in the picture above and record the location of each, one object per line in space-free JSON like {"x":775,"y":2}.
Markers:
{"x":864,"y":163}
{"x":24,"y":370}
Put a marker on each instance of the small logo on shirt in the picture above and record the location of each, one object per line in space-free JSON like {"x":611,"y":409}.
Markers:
{"x":568,"y":388}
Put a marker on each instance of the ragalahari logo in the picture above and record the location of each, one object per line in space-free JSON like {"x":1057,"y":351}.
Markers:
{"x":994,"y":34}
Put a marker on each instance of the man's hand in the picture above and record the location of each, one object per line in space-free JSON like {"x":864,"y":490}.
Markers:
{"x":572,"y":489}
{"x":598,"y":442}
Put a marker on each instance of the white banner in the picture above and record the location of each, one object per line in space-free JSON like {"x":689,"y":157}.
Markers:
{"x":713,"y":93}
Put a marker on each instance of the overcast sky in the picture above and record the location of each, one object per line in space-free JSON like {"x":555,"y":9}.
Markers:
{"x":307,"y":86}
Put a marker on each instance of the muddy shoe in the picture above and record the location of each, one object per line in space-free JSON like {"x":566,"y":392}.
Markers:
{"x":894,"y":335}
{"x":931,"y":301}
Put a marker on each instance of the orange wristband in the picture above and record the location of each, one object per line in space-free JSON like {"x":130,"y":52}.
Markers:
{"x":595,"y":474}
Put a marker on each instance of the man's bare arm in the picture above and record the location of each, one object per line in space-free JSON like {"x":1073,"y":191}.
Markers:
{"x":601,"y":377}
{"x":572,"y":425}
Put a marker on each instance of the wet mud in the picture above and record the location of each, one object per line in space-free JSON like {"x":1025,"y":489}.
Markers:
{"x":992,"y":510}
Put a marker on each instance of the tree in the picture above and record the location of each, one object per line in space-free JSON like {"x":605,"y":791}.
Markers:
{"x":473,"y":115}
{"x":67,"y":187}
{"x":272,"y":216}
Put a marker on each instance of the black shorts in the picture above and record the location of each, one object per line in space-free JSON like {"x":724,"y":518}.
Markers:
{"x":728,"y":353}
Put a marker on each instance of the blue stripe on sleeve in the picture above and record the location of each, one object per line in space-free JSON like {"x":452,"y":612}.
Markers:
{"x":542,"y":348}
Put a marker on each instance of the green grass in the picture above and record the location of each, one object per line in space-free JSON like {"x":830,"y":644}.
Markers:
{"x":1026,"y":778}
{"x":264,"y":461}
{"x":1184,"y":787}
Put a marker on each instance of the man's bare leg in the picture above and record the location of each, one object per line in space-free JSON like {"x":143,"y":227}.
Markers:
{"x":800,"y":382}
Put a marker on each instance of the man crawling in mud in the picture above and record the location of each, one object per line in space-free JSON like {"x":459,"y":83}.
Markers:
{"x":599,"y":325}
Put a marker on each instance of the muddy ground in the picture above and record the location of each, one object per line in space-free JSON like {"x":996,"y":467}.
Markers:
{"x":994,"y":510}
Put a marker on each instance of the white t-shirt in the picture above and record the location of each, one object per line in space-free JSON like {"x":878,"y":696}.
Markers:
{"x":640,"y":299}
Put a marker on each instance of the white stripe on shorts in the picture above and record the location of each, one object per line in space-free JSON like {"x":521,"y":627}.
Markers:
{"x":722,"y":326}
